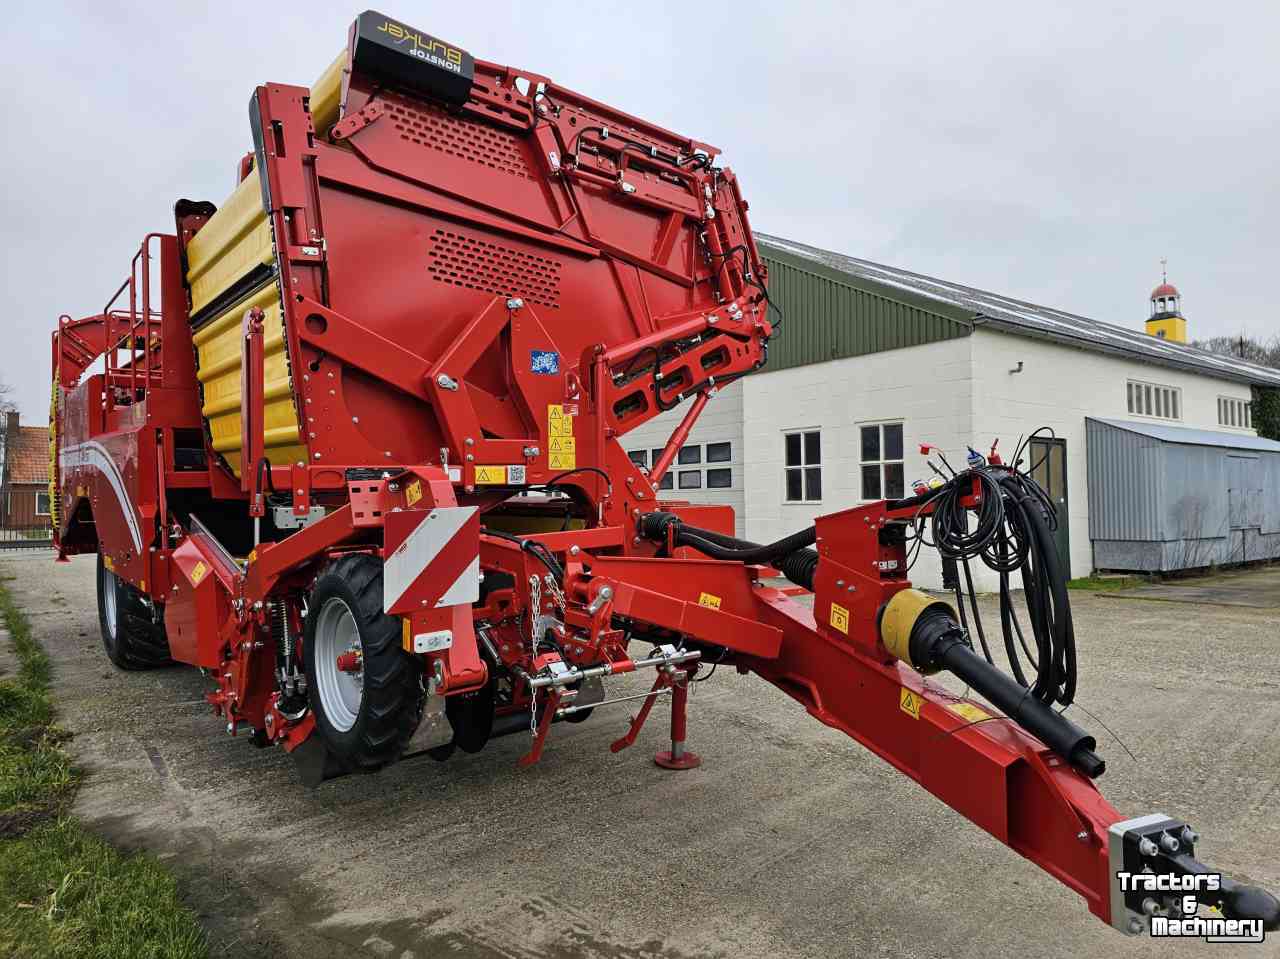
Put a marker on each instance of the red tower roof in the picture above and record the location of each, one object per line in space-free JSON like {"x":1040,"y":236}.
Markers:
{"x":1164,"y":289}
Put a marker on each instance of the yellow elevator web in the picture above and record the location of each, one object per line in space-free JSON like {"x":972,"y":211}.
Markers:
{"x":232,"y":245}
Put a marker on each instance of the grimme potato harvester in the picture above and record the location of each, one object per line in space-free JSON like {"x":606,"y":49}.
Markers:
{"x":349,"y":443}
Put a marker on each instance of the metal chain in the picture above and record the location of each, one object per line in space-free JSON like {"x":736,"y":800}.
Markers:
{"x":557,"y":596}
{"x":535,"y":612}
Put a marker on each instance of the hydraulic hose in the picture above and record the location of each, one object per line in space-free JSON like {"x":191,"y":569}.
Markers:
{"x":795,"y":561}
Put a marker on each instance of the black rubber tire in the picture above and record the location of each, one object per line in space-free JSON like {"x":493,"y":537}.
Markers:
{"x":138,"y":640}
{"x":392,"y":701}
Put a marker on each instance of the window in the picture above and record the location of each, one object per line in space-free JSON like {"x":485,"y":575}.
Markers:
{"x":719,"y":452}
{"x":639,"y":457}
{"x":667,"y":481}
{"x":1151,"y":399}
{"x":691,"y":479}
{"x":719,"y":478}
{"x":881,"y":461}
{"x":689,"y":454}
{"x":42,"y":504}
{"x":654,"y":456}
{"x":1235,"y":412}
{"x":803,"y":466}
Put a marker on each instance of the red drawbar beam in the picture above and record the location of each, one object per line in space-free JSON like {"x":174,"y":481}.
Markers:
{"x":977,"y":762}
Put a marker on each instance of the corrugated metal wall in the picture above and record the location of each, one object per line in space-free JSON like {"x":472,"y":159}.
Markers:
{"x":1125,"y":492}
{"x":827,"y":319}
{"x":1158,"y":506}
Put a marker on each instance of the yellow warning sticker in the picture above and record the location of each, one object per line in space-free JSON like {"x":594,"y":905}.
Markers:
{"x":562,"y":461}
{"x":709,"y":600}
{"x":559,"y":423}
{"x":413,"y":492}
{"x":840,"y":618}
{"x":108,"y":562}
{"x":969,"y":711}
{"x":491,"y":475}
{"x":910,"y":702}
{"x":197,"y":573}
{"x":563,"y":444}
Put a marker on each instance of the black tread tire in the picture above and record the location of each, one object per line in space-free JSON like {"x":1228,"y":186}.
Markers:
{"x":392,"y":703}
{"x":140,"y":641}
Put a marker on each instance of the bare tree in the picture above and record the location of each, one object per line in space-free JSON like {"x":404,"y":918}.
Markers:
{"x":7,"y":405}
{"x":1263,"y":352}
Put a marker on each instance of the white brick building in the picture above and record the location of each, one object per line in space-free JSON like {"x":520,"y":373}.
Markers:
{"x":811,"y":435}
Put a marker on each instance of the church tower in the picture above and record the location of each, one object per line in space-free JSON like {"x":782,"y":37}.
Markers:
{"x":1166,"y":320}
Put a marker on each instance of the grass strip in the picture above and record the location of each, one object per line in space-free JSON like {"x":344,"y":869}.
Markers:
{"x":63,"y":891}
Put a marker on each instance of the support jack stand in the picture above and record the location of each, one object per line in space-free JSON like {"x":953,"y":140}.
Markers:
{"x":676,"y":757}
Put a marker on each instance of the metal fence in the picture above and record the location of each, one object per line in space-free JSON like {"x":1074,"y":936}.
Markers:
{"x":24,"y":519}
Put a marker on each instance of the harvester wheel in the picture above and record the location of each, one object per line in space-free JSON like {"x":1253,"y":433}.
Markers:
{"x":365,"y":690}
{"x":132,"y":633}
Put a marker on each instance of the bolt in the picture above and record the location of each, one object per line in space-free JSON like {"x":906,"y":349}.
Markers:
{"x":839,"y":582}
{"x":231,"y":729}
{"x":515,"y":303}
{"x":469,"y":441}
{"x":575,"y":550}
{"x":317,"y":455}
{"x":1147,"y":847}
{"x":1083,"y":835}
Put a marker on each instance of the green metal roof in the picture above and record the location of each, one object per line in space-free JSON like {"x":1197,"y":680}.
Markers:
{"x":827,"y":317}
{"x":925,"y":308}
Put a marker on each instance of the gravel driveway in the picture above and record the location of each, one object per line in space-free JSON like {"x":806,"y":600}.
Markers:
{"x":789,"y":841}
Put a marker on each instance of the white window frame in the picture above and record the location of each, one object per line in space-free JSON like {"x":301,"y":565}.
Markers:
{"x":882,"y":462}
{"x":1154,"y":401}
{"x":802,"y":466}
{"x":47,"y":503}
{"x":1235,"y":413}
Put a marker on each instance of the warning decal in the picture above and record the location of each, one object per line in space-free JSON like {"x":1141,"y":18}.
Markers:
{"x":969,"y":711}
{"x":709,"y":599}
{"x":562,"y":452}
{"x":840,"y":618}
{"x":197,"y":573}
{"x":491,"y":475}
{"x":910,"y":702}
{"x":413,"y":492}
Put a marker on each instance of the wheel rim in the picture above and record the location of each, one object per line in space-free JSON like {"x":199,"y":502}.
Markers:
{"x":341,"y":691}
{"x":109,"y":587}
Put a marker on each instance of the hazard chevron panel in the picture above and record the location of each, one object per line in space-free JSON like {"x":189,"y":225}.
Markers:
{"x":432,"y":559}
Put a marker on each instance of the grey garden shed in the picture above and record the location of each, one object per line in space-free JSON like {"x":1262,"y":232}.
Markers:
{"x":1164,"y":498}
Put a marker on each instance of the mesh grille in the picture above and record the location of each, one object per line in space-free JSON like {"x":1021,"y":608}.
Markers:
{"x":435,"y":129}
{"x":493,"y":268}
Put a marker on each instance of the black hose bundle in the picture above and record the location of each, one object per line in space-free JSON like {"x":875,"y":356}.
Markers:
{"x":1012,"y":533}
{"x":720,"y":546}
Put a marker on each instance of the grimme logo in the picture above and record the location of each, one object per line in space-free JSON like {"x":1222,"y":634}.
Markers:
{"x":1173,"y":906}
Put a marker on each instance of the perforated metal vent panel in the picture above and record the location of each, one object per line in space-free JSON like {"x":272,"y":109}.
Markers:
{"x":493,"y":268}
{"x":436,"y":129}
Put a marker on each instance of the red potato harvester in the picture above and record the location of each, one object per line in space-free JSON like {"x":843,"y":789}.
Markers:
{"x":354,"y":451}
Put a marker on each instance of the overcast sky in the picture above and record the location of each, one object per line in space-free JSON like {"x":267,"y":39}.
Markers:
{"x":1053,"y":152}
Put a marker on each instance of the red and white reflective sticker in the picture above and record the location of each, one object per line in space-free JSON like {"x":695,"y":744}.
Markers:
{"x":433,"y":559}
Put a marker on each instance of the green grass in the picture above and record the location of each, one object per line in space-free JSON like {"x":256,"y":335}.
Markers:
{"x":1105,"y":584}
{"x":64,"y":892}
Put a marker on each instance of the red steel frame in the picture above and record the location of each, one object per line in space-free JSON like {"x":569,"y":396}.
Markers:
{"x":692,"y":279}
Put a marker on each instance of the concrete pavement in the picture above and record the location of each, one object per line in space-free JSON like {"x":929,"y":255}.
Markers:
{"x":790,"y":840}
